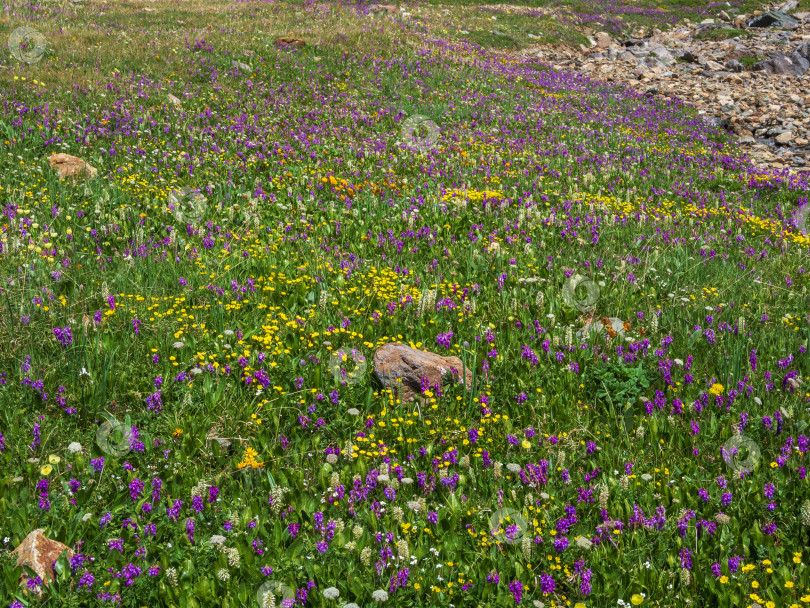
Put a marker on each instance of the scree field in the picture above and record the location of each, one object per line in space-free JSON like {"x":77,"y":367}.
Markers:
{"x":214,"y":215}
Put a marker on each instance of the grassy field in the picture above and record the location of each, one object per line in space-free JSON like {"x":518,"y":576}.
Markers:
{"x":187,"y":387}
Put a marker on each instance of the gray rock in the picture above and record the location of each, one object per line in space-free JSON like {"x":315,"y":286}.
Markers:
{"x":688,"y":56}
{"x":734,"y":66}
{"x":795,"y":65}
{"x":651,"y":62}
{"x":705,"y":28}
{"x":803,"y":50}
{"x":663,"y":55}
{"x":788,"y":6}
{"x":774,"y":19}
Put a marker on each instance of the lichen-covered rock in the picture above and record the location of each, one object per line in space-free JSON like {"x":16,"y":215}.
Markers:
{"x":39,"y":553}
{"x":71,"y":166}
{"x":287,"y":43}
{"x":383,"y":9}
{"x":397,"y":362}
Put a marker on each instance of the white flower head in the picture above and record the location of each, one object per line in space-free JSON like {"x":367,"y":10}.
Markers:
{"x":331,"y":593}
{"x":379,"y":595}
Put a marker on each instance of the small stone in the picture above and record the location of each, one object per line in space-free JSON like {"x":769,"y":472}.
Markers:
{"x":383,"y":9}
{"x":603,"y":40}
{"x":784,"y":137}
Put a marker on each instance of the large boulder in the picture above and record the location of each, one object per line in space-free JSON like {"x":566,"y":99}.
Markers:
{"x":774,"y":19}
{"x":71,"y":166}
{"x":795,"y":65}
{"x":397,"y":365}
{"x":40,"y":553}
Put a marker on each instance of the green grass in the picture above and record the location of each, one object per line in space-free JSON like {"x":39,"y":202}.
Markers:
{"x":327,"y":229}
{"x":749,"y":62}
{"x":492,"y":40}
